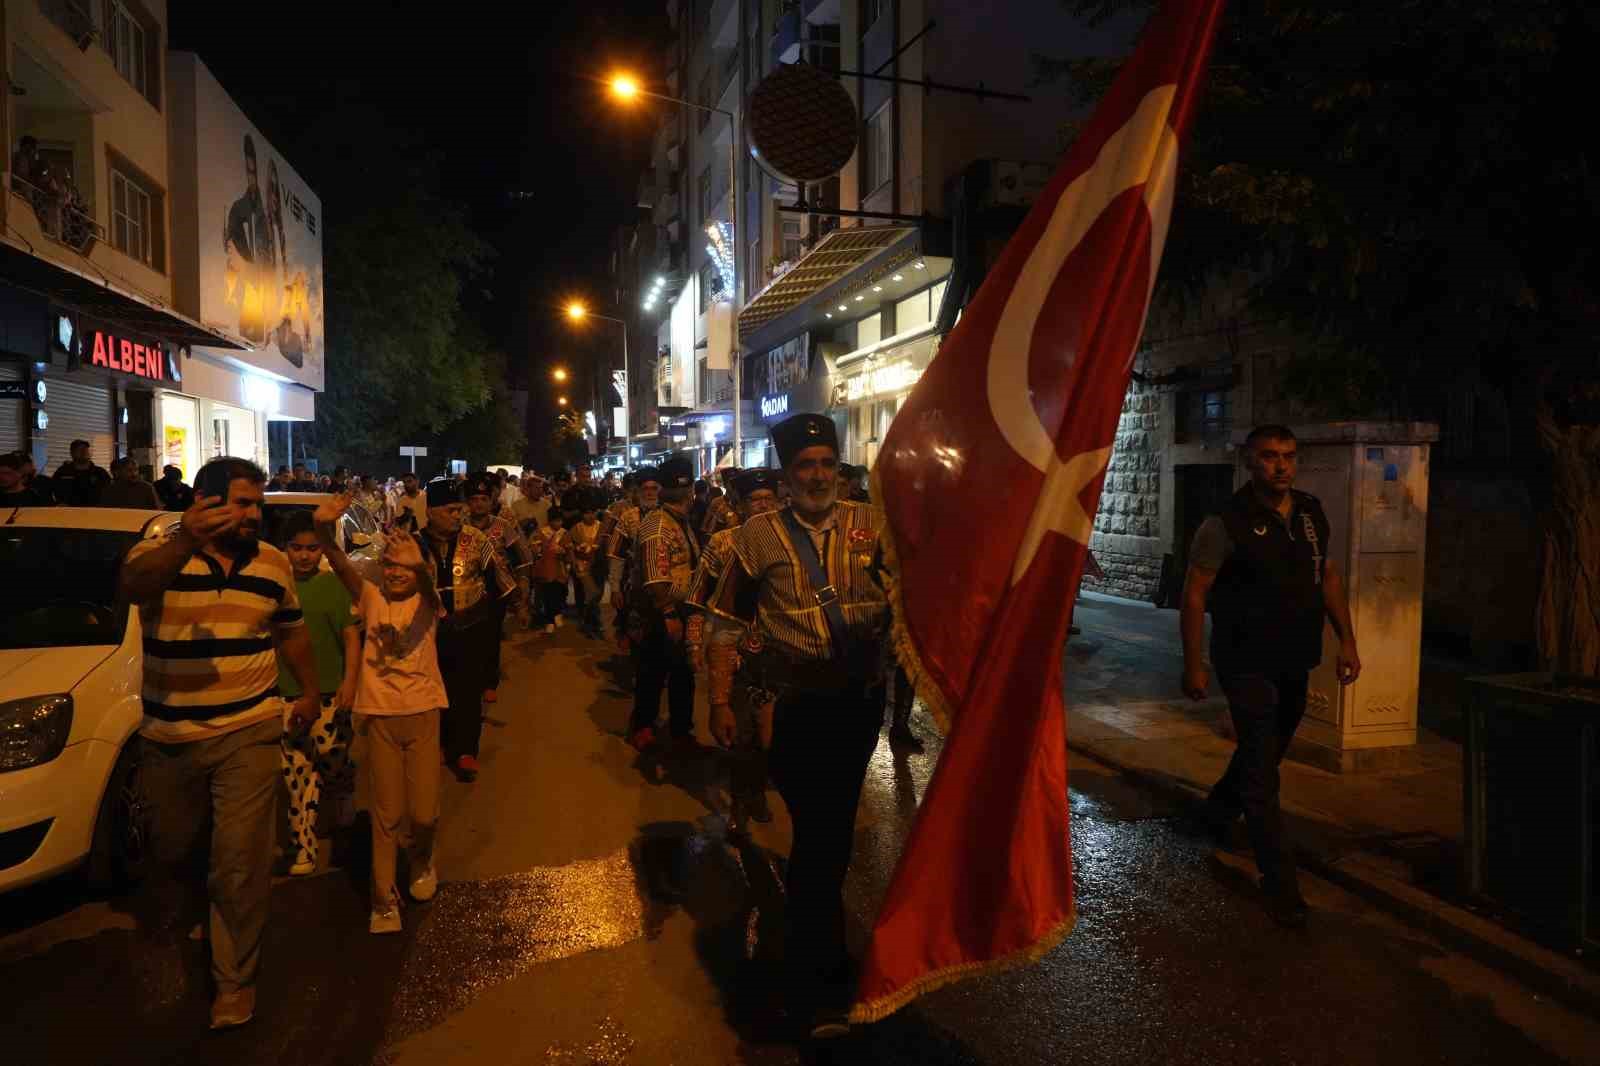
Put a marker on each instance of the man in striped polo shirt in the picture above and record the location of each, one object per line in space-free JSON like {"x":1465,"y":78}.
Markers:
{"x":217,"y":606}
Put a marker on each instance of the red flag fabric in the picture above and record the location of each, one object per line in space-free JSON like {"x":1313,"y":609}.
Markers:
{"x":1017,"y":412}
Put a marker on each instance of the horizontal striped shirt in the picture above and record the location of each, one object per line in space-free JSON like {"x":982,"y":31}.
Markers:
{"x":210,"y":665}
{"x":770,"y":587}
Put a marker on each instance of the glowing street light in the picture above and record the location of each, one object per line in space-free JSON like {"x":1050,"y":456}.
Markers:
{"x":624,"y":87}
{"x":559,"y":374}
{"x":576,"y":310}
{"x":562,"y":401}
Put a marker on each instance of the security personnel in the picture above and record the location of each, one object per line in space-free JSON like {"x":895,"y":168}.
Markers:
{"x":464,"y":561}
{"x":805,"y":577}
{"x":1264,"y":566}
{"x":664,"y":563}
{"x":483,"y":505}
{"x":755,"y":492}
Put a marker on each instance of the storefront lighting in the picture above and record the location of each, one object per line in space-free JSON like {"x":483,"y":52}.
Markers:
{"x":918,"y":265}
{"x":828,"y":313}
{"x":260,"y":394}
{"x":842,"y":307}
{"x":660,"y":281}
{"x":881,"y":380}
{"x":860,"y":296}
{"x":899,"y":277}
{"x":877,"y":288}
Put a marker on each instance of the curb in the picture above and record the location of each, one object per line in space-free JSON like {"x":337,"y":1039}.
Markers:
{"x":1542,"y":970}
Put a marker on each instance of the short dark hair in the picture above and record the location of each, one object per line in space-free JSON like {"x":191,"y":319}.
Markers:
{"x":79,"y":443}
{"x":214,"y":478}
{"x":295,"y":523}
{"x":1269,"y":431}
{"x":12,"y":460}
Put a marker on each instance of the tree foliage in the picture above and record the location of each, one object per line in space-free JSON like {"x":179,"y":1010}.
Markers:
{"x":1412,"y":188}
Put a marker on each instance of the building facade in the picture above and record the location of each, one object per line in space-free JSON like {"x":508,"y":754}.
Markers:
{"x":104,"y":338}
{"x":838,"y":305}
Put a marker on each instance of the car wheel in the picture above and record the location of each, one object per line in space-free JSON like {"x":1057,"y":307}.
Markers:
{"x":117,"y":855}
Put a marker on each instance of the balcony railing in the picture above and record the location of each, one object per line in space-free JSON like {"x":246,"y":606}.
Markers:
{"x":74,"y":19}
{"x":63,"y":217}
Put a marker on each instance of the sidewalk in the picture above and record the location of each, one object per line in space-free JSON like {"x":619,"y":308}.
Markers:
{"x":1391,"y":836}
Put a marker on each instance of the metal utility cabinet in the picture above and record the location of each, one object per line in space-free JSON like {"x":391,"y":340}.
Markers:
{"x":1372,"y":479}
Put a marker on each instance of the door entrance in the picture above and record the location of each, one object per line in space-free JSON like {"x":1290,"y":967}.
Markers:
{"x":1199,"y":489}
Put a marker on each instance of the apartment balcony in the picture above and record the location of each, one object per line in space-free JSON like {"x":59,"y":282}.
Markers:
{"x":74,"y":18}
{"x":62,"y":215}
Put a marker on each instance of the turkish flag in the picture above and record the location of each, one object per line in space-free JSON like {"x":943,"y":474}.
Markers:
{"x":1017,"y":412}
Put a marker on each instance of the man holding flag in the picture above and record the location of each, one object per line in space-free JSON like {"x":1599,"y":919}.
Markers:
{"x":1021,"y":404}
{"x":805,"y":578}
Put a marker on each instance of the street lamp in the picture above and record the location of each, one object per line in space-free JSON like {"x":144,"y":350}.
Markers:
{"x":626,"y":87}
{"x":577,"y":312}
{"x":559,"y":374}
{"x":562,"y":401}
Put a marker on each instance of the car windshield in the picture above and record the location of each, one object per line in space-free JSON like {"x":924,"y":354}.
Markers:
{"x":61,"y":586}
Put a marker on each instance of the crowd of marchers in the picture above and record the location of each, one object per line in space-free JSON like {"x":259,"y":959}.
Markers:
{"x":269,"y":663}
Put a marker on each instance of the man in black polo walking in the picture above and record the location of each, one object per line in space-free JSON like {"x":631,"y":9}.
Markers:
{"x":1263,"y":564}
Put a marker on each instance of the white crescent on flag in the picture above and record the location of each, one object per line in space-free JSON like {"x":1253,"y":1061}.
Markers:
{"x":1143,"y":152}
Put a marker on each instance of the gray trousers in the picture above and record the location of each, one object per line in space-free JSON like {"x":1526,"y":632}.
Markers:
{"x":211,"y":806}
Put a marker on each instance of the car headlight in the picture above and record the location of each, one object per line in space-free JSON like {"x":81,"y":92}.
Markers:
{"x":33,"y":730}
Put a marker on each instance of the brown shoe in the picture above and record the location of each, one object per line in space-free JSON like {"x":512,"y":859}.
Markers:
{"x":231,"y":1009}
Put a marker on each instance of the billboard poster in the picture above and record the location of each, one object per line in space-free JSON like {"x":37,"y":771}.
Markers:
{"x":260,"y":242}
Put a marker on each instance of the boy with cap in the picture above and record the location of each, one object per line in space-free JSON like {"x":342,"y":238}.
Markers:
{"x":668,"y":552}
{"x":804,"y":578}
{"x":463,"y":561}
{"x":483,"y":493}
{"x":748,"y":730}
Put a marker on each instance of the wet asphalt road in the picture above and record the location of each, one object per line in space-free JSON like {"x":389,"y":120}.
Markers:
{"x":593,"y":912}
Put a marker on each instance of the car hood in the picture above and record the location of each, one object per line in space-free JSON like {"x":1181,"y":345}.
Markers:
{"x":41,"y":671}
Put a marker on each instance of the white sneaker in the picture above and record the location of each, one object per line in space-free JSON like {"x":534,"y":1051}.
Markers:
{"x":385,"y":921}
{"x":425,"y":884}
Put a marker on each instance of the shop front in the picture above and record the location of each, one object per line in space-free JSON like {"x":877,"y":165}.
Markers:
{"x":871,"y":386}
{"x":790,"y":379}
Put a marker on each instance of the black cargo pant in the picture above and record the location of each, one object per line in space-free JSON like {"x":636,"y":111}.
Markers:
{"x":464,"y":659}
{"x":661,"y":662}
{"x":821,"y":744}
{"x":1266,"y":711}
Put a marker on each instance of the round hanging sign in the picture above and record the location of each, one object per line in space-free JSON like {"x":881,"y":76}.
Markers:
{"x":802,"y":123}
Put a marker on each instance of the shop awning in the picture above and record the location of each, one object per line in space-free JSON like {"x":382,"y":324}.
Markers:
{"x":836,"y":256}
{"x":101,"y":298}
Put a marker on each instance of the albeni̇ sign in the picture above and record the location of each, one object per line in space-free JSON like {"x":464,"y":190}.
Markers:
{"x":130,"y":357}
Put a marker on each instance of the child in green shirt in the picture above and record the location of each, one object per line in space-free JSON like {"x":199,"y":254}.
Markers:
{"x":319,"y":757}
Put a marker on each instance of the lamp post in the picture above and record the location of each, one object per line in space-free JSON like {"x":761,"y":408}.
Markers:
{"x":577,"y":312}
{"x":625,"y":87}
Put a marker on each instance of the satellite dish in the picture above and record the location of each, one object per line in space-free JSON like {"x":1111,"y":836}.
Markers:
{"x":802,"y":124}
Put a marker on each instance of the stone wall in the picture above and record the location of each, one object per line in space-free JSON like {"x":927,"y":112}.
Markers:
{"x":1127,"y":527}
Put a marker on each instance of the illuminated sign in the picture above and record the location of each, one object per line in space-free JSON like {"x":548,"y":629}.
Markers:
{"x":126,"y":356}
{"x":774,"y":406}
{"x":891,"y":377}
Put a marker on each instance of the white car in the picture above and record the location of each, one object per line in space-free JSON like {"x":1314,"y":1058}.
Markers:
{"x":71,"y":659}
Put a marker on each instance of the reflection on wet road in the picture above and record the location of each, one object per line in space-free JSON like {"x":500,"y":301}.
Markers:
{"x":1172,"y":961}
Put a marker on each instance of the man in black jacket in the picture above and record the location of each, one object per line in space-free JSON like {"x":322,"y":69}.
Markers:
{"x":79,"y":482}
{"x":1263,"y":565}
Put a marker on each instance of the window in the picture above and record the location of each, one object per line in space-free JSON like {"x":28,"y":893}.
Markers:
{"x":877,"y":151}
{"x":133,"y":41}
{"x":1204,"y":416}
{"x":705,"y":195}
{"x":133,"y":219}
{"x":705,"y":98}
{"x":793,"y":240}
{"x":706,"y":276}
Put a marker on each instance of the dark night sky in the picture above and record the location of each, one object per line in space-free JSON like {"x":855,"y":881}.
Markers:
{"x":503,"y":95}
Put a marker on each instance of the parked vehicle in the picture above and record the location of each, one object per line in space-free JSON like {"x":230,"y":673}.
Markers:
{"x":359,"y":533}
{"x":71,"y":657}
